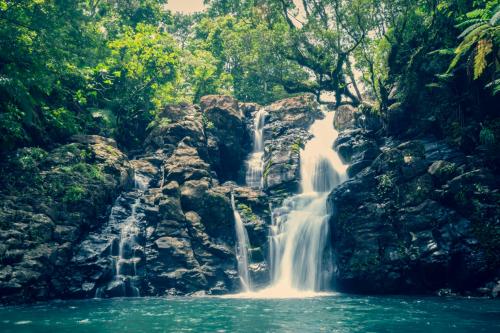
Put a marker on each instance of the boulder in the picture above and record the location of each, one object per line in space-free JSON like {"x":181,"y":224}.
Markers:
{"x":344,"y":117}
{"x":396,"y":119}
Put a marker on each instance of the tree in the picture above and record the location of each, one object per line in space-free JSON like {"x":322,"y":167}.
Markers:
{"x":44,"y":50}
{"x":137,"y":78}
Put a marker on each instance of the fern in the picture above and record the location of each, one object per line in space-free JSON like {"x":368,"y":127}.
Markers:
{"x":479,"y":39}
{"x":494,"y":85}
{"x":486,"y":136}
{"x":472,"y":30}
{"x":468,"y":22}
{"x":495,"y":19}
{"x":484,"y":47}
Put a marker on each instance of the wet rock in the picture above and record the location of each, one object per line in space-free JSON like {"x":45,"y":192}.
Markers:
{"x":344,"y":117}
{"x":357,"y":167}
{"x":398,"y":225}
{"x":227,"y":135}
{"x":58,"y":197}
{"x":285,"y":133}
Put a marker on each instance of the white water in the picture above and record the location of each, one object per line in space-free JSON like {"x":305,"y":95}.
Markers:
{"x":254,"y":179}
{"x":299,"y":229}
{"x":128,"y":234}
{"x":255,"y":163}
{"x":241,"y":249}
{"x":125,"y":260}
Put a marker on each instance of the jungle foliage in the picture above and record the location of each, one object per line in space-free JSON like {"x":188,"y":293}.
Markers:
{"x":109,"y":66}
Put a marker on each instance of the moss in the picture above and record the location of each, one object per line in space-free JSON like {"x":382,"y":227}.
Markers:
{"x":207,"y":124}
{"x":296,"y":146}
{"x":267,"y":169}
{"x":112,"y":151}
{"x":29,"y":158}
{"x":74,"y":194}
{"x":85,"y":170}
{"x":247,"y":212}
{"x":385,"y":183}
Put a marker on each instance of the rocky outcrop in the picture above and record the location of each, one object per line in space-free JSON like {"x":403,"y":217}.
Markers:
{"x":255,"y":212}
{"x":63,"y":234}
{"x":49,"y":201}
{"x":190,"y":238}
{"x":285,"y":133}
{"x":413,"y":218}
{"x":228,"y":141}
{"x":82,"y":220}
{"x":183,"y":218}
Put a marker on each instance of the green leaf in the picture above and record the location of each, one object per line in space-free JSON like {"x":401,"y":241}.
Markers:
{"x":449,"y":51}
{"x":469,"y":30}
{"x":496,"y":18}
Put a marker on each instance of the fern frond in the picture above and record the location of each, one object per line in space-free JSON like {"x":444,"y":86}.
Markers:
{"x":469,"y":22}
{"x":460,"y":51}
{"x":477,"y":13}
{"x":444,"y":77}
{"x":449,"y":51}
{"x":495,"y":85}
{"x":476,"y":30}
{"x":496,"y":89}
{"x":484,"y":47}
{"x":464,"y":47}
{"x":496,"y":18}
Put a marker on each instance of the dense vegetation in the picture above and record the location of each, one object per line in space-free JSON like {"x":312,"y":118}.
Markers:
{"x":108,"y":66}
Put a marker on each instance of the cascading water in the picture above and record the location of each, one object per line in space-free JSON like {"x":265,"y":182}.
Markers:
{"x":299,"y":228}
{"x":241,"y":249}
{"x":255,"y":163}
{"x":124,"y":220}
{"x":253,"y":179}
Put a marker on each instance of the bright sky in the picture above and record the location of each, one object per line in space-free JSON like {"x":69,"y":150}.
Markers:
{"x":185,"y":6}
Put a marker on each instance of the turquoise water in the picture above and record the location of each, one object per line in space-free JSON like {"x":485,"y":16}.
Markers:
{"x":323,"y":314}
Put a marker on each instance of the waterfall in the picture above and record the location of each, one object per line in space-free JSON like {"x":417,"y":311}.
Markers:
{"x":124,"y":221}
{"x":241,"y":248}
{"x":253,"y":179}
{"x":299,"y":230}
{"x":255,"y":163}
{"x":300,"y":227}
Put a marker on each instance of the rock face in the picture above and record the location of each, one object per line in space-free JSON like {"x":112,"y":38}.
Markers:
{"x":285,"y":133}
{"x":413,"y":218}
{"x":190,"y":233}
{"x":49,"y":200}
{"x":184,"y":240}
{"x":228,"y":141}
{"x":82,"y":220}
{"x":253,"y":207}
